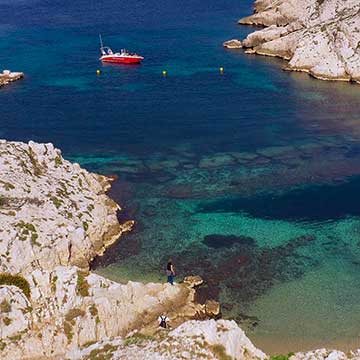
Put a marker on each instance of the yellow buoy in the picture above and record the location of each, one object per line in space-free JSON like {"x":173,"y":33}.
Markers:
{"x":164,"y":72}
{"x":98,"y":72}
{"x":221,"y":69}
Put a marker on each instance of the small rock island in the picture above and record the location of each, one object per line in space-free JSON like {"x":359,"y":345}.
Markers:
{"x":7,"y":77}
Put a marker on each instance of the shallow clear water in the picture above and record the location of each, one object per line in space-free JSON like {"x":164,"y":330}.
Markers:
{"x":249,"y":178}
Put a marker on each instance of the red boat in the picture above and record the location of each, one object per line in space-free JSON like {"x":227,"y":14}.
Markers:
{"x":123,"y":57}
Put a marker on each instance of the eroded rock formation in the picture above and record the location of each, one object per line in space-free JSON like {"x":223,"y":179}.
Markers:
{"x":55,"y":217}
{"x":320,"y":37}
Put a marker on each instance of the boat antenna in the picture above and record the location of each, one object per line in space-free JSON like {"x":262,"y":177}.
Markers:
{"x":101,"y":43}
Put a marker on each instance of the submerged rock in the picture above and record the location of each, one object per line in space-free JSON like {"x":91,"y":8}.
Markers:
{"x":217,"y":160}
{"x":218,"y":241}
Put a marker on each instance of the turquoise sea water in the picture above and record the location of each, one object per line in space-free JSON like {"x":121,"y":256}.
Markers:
{"x":249,"y":178}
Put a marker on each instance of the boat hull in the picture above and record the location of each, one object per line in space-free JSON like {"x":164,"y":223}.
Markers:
{"x":121,"y":60}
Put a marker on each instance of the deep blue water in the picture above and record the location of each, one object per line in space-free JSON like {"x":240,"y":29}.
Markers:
{"x":249,"y":178}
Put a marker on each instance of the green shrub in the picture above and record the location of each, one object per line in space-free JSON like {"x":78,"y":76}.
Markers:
{"x":8,"y":186}
{"x":35,"y":164}
{"x":82,"y":286}
{"x":58,"y":161}
{"x":137,"y":338}
{"x":57,"y":203}
{"x":7,"y":321}
{"x":219,"y":352}
{"x":105,"y":353}
{"x":93,"y":310}
{"x":85,"y":225}
{"x":74,"y":313}
{"x":5,"y":306}
{"x":16,"y":280}
{"x":16,"y":337}
{"x":68,"y":331}
{"x":53,"y":283}
{"x":34,"y":237}
{"x":282,"y":357}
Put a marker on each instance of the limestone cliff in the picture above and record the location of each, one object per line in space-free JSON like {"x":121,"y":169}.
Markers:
{"x":320,"y":37}
{"x":55,"y":217}
{"x":52,"y":211}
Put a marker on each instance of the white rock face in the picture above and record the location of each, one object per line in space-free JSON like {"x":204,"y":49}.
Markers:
{"x":61,"y":316}
{"x":191,"y":340}
{"x":54,"y":218}
{"x":325,"y":354}
{"x":53,"y":212}
{"x":233,"y":44}
{"x":320,"y":37}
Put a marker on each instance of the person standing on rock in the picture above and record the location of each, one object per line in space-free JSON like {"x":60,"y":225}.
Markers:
{"x":170,"y":272}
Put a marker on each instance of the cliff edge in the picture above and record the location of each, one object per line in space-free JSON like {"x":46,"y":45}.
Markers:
{"x":320,"y":37}
{"x":55,"y":217}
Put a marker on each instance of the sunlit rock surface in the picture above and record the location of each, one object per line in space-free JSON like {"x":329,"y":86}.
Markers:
{"x":210,"y":339}
{"x":7,"y":77}
{"x":55,"y":217}
{"x":52,"y":211}
{"x":316,"y":36}
{"x":233,"y":44}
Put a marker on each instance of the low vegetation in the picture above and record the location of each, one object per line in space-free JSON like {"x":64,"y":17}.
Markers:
{"x":105,"y":353}
{"x":73,"y":314}
{"x":58,"y":161}
{"x":85,"y":225}
{"x":2,"y":345}
{"x":93,"y":310}
{"x":7,"y":321}
{"x":282,"y":357}
{"x":68,"y":331}
{"x":53,"y":283}
{"x":57,"y":202}
{"x":137,"y":339}
{"x":220,"y":353}
{"x":82,"y":286}
{"x":5,"y":306}
{"x":35,"y":164}
{"x":16,"y":280}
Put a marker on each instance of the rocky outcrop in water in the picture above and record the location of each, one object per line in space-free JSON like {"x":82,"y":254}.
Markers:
{"x":7,"y":77}
{"x":320,"y":37}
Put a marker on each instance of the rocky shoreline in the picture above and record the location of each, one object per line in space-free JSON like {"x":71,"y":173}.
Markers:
{"x":55,"y":217}
{"x":6,"y":77}
{"x":317,"y":37}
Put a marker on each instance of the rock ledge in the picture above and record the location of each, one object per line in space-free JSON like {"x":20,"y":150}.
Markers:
{"x":317,"y":37}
